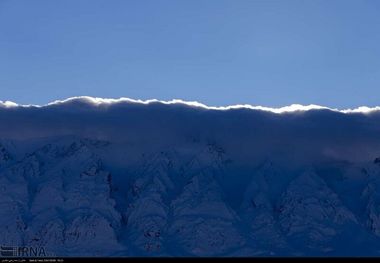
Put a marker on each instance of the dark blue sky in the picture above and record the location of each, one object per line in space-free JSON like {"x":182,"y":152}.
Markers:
{"x":219,"y":52}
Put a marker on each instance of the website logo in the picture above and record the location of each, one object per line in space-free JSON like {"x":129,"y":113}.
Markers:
{"x":22,"y":251}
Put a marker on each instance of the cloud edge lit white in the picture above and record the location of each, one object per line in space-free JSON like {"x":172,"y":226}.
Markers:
{"x":97,"y":101}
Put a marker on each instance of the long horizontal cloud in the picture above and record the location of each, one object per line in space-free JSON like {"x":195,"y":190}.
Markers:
{"x":311,"y":133}
{"x":94,"y":101}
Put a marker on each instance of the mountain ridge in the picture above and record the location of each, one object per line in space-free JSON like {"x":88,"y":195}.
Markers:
{"x":178,"y":204}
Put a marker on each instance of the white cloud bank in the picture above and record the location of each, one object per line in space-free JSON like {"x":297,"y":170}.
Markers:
{"x":95,"y":101}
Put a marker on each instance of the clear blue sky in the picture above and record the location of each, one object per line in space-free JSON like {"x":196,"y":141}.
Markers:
{"x":218,"y":52}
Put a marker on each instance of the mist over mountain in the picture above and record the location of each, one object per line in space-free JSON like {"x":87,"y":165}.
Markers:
{"x":126,"y":178}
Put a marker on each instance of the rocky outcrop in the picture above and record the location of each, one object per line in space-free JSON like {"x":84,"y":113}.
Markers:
{"x":311,"y":214}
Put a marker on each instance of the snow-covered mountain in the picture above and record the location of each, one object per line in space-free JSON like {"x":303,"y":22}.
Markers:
{"x":189,"y":182}
{"x":64,"y":196}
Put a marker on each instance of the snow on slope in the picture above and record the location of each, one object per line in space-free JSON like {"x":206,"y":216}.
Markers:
{"x":63,"y":200}
{"x":60,"y":197}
